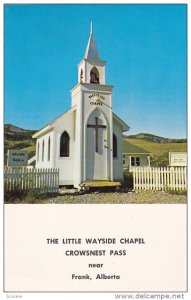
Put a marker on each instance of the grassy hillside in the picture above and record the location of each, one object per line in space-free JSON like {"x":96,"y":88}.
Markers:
{"x":157,"y":148}
{"x":155,"y":138}
{"x":18,"y":138}
{"x":159,"y":151}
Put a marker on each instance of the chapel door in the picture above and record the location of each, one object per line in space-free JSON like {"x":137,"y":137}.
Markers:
{"x":96,"y":147}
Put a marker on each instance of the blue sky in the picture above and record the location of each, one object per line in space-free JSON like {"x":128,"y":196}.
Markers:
{"x":145,"y":50}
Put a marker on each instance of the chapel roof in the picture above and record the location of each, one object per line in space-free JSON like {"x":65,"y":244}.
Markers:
{"x":50,"y":126}
{"x":130,"y":148}
{"x":121,"y":122}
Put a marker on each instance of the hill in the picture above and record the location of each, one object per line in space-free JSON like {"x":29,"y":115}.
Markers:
{"x":157,"y":148}
{"x":18,"y":138}
{"x":155,"y":138}
{"x":15,"y":133}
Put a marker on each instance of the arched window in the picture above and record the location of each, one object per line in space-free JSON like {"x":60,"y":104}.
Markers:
{"x":65,"y":145}
{"x":43,"y":150}
{"x":114,"y":146}
{"x":81,"y":76}
{"x":49,"y":149}
{"x":94,"y":75}
{"x":38,"y":151}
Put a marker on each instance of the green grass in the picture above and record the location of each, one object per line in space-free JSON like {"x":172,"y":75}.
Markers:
{"x":30,"y":148}
{"x":19,"y":144}
{"x":158,"y":148}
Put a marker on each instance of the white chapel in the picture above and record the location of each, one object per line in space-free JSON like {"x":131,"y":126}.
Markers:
{"x":85,"y":142}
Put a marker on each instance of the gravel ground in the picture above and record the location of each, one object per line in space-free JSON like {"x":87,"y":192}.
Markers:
{"x":142,"y":197}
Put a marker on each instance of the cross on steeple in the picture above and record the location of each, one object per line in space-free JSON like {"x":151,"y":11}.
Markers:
{"x":91,"y":28}
{"x":96,"y":126}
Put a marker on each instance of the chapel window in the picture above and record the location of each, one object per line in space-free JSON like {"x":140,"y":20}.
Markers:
{"x":64,"y":144}
{"x":43,"y":150}
{"x":94,"y":75}
{"x":135,"y":161}
{"x":49,"y":149}
{"x":38,"y":151}
{"x":114,"y":146}
{"x":81,"y":76}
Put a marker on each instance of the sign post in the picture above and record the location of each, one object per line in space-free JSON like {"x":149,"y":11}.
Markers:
{"x":177,"y":159}
{"x":17,"y":158}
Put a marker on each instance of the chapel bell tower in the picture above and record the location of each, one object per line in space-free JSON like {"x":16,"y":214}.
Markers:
{"x":92,"y":99}
{"x":91,"y":69}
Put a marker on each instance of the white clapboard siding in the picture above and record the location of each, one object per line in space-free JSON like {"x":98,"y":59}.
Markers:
{"x":44,"y":180}
{"x":159,"y":178}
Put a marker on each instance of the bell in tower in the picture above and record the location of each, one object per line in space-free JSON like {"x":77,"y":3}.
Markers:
{"x":91,"y":69}
{"x":94,"y":75}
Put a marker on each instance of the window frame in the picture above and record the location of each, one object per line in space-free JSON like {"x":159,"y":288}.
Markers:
{"x":115,"y":146}
{"x":48,"y":157}
{"x":43,"y":150}
{"x":135,"y":161}
{"x":38,"y":151}
{"x":62,"y":153}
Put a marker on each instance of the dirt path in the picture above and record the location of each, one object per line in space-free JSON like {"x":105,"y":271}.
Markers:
{"x":143,"y":197}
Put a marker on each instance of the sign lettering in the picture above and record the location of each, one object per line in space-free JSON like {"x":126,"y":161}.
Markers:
{"x":178,"y":159}
{"x":17,"y":158}
{"x":97,"y":96}
{"x":95,"y":103}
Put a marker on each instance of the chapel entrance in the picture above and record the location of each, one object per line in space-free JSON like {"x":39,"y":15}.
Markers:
{"x":96,"y":147}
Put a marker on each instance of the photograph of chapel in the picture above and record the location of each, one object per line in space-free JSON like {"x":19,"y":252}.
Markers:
{"x":86,"y":142}
{"x":121,"y":137}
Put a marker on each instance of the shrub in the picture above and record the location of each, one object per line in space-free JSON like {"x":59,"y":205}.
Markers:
{"x":160,"y":160}
{"x":32,"y":196}
{"x":14,"y":196}
{"x":128,"y":178}
{"x":22,"y":196}
{"x":177,"y":192}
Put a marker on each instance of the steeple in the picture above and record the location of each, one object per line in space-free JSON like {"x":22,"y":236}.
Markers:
{"x":91,"y":69}
{"x":91,"y":50}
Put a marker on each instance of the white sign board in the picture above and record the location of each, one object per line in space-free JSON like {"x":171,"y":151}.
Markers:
{"x":17,"y":158}
{"x":178,"y":159}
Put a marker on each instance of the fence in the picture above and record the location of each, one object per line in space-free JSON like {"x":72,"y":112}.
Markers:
{"x":151,"y":178}
{"x":44,"y":180}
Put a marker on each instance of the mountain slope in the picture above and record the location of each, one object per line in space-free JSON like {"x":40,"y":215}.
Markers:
{"x":18,"y":138}
{"x":15,"y":133}
{"x":155,"y":138}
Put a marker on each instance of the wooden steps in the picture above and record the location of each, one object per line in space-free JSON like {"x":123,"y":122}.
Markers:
{"x":100,"y":183}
